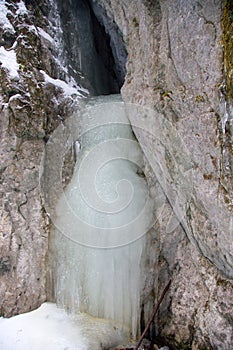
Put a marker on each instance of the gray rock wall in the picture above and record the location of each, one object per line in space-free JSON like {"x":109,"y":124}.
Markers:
{"x":175,"y":55}
{"x":32,"y":104}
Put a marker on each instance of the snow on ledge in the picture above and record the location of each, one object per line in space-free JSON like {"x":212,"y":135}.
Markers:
{"x":51,"y":328}
{"x":21,"y":8}
{"x":68,"y":88}
{"x":4,"y":21}
{"x":45,"y":35}
{"x":8,"y":60}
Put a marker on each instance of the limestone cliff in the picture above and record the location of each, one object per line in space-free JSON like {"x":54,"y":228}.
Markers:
{"x":175,"y":64}
{"x":35,"y":95}
{"x":178,"y":62}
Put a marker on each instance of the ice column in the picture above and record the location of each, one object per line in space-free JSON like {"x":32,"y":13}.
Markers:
{"x":101,"y":220}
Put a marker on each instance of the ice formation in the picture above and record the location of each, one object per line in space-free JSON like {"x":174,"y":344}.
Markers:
{"x":101,"y":220}
{"x":50,"y":328}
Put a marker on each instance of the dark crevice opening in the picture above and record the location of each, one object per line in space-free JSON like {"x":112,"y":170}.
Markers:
{"x":109,"y":44}
{"x":103,"y":49}
{"x":94,"y":50}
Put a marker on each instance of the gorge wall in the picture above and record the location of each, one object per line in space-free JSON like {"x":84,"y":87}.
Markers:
{"x":178,"y":63}
{"x":182,"y":43}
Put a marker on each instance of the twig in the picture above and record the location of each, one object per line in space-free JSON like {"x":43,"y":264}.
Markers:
{"x":153,"y":314}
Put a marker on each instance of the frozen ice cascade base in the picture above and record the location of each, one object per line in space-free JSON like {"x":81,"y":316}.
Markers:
{"x":51,"y":328}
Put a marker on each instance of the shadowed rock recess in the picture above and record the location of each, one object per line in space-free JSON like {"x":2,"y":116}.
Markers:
{"x":173,"y":56}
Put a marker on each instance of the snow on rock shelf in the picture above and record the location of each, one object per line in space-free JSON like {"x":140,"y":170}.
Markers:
{"x":68,"y":88}
{"x":51,"y":328}
{"x":8,"y":61}
{"x":4,"y":21}
{"x":45,"y":35}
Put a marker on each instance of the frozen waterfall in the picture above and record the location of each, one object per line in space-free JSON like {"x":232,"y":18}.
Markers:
{"x":101,"y":219}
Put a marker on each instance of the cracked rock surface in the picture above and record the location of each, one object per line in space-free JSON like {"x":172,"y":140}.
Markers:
{"x":174,"y":65}
{"x":34,"y":97}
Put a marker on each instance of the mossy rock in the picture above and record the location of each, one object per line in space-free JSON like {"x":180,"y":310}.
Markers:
{"x":227,"y":24}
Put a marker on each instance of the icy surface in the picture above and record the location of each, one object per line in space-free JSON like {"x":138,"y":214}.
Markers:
{"x":8,"y":60}
{"x":51,"y":328}
{"x":45,"y":35}
{"x":103,"y":215}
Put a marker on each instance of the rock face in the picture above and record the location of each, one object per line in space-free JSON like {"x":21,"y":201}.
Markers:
{"x":175,"y":66}
{"x":175,"y":52}
{"x":32,"y":103}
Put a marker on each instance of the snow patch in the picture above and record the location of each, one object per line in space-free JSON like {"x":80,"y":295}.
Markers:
{"x":45,"y":35}
{"x":21,"y":8}
{"x":68,"y":88}
{"x":4,"y":21}
{"x":51,"y":328}
{"x":15,"y":97}
{"x":8,"y":60}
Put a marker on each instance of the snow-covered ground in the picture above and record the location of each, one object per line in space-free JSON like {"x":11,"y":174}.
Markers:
{"x":50,"y":328}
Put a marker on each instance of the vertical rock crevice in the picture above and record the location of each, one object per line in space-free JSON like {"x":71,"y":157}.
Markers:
{"x":226,"y":117}
{"x":90,"y":47}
